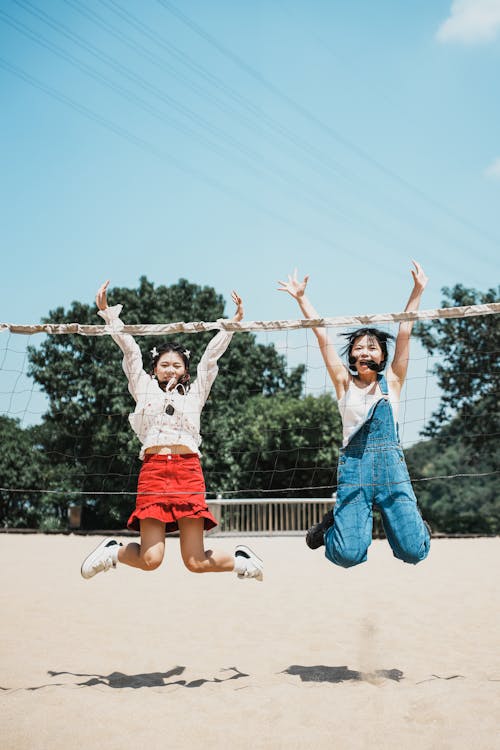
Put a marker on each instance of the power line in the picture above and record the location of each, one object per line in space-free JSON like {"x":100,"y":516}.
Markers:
{"x":356,"y":219}
{"x":314,"y":198}
{"x":192,"y":65}
{"x":311,"y":117}
{"x":268,"y":170}
{"x":271,"y":171}
{"x":150,"y":148}
{"x":321,"y":161}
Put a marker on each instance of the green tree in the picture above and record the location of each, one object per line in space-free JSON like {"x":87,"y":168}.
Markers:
{"x":464,"y":429}
{"x":277,"y":445}
{"x":85,"y":432}
{"x":25,"y":475}
{"x":467,"y":370}
{"x":451,"y":502}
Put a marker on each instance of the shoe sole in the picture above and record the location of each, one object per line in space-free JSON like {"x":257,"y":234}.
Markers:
{"x":89,"y":558}
{"x":312,"y":542}
{"x":252,"y":555}
{"x":315,"y":536}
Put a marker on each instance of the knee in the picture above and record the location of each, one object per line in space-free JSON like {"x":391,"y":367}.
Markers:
{"x":414,"y":553}
{"x":342,"y":553}
{"x":151,"y":560}
{"x":346,"y":558}
{"x":194,"y":565}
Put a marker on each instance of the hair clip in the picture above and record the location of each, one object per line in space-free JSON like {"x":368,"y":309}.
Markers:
{"x":154,"y":352}
{"x":186,"y":353}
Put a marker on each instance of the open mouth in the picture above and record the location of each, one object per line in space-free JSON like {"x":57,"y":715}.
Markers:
{"x":369,"y":364}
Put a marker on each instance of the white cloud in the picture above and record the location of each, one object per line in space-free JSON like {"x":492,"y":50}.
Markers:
{"x":493,"y":170}
{"x":471,"y":21}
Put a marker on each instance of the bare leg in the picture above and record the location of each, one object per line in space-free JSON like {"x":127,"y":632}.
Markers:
{"x":195,"y":557}
{"x":147,"y":555}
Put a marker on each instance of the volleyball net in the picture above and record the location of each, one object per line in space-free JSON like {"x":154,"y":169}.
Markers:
{"x":270,"y":428}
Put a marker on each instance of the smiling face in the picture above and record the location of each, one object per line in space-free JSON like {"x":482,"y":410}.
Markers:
{"x":170,"y":367}
{"x":366,"y":349}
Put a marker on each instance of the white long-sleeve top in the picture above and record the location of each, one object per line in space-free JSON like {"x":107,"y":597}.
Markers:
{"x":149,"y":420}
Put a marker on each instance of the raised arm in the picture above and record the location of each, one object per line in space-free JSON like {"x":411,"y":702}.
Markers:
{"x":334,"y":365}
{"x":208,"y":368}
{"x":399,"y":365}
{"x":132,"y":356}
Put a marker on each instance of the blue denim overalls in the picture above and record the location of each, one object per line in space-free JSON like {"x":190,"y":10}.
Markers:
{"x":372,"y":470}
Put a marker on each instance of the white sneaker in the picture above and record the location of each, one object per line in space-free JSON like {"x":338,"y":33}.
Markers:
{"x":102,"y":558}
{"x":247,"y":564}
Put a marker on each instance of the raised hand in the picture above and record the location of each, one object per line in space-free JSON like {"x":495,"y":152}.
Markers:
{"x":419,"y":278}
{"x":101,"y":298}
{"x":293,"y":286}
{"x":239,"y":307}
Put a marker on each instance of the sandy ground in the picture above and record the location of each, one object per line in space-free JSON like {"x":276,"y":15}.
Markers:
{"x":385,"y":655}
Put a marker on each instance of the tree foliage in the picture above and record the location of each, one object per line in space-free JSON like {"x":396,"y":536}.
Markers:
{"x":467,"y":370}
{"x":275,"y":446}
{"x":85,"y":432}
{"x":25,"y":476}
{"x":450,"y":500}
{"x":261,"y":436}
{"x":464,"y":430}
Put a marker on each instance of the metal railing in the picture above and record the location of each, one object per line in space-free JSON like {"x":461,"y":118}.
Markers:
{"x":268,"y":516}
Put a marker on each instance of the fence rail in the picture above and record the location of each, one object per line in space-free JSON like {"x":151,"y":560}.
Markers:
{"x":268,"y":516}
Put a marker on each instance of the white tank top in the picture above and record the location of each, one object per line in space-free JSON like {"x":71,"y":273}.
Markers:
{"x":356,"y":403}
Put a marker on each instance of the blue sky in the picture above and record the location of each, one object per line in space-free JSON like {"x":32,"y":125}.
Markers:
{"x":228,"y":143}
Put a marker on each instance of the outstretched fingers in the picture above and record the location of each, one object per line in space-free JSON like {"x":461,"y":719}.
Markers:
{"x":293,"y":286}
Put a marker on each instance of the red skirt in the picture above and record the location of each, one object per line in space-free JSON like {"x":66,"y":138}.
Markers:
{"x":171,"y":487}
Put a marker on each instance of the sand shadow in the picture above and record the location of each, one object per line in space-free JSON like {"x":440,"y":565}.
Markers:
{"x":119,"y":680}
{"x":321,"y":673}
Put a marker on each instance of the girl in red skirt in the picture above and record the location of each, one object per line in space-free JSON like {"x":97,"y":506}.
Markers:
{"x":171,"y":488}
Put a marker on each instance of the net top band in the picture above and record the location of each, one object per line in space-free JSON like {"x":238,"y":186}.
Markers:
{"x":255,"y":325}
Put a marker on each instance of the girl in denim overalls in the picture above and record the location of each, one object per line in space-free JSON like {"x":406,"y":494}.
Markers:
{"x":371,"y":467}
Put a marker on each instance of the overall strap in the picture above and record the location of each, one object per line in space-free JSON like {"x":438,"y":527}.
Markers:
{"x":384,"y":388}
{"x":387,"y":408}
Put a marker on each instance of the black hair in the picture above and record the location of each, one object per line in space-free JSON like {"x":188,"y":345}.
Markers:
{"x":184,"y":354}
{"x":383,"y":339}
